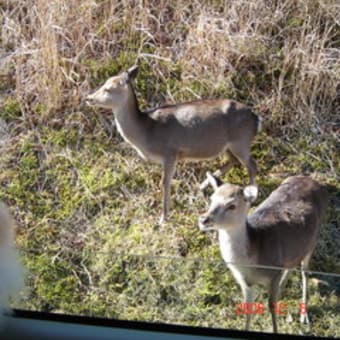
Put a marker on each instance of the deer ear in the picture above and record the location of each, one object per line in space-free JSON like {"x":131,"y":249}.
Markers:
{"x":213,"y":181}
{"x":123,"y":79}
{"x":132,"y":72}
{"x":250,"y":193}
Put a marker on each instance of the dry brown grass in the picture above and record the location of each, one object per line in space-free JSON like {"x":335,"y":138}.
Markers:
{"x":281,"y":56}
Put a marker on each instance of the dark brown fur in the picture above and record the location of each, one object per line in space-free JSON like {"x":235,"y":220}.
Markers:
{"x":290,"y":214}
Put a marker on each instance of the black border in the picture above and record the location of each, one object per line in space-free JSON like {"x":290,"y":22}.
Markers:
{"x":154,"y":327}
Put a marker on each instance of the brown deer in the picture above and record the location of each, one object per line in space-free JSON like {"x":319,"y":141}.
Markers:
{"x":280,"y":234}
{"x":195,"y":130}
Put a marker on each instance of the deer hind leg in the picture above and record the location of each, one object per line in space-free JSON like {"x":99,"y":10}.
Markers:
{"x":169,"y":166}
{"x":303,"y":310}
{"x":242,"y":154}
{"x":225,"y":168}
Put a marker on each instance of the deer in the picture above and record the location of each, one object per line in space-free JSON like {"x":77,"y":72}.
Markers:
{"x":262,"y":247}
{"x":194,"y":131}
{"x":11,"y":271}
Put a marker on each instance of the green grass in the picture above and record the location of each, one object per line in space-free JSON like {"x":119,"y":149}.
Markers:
{"x":88,"y":207}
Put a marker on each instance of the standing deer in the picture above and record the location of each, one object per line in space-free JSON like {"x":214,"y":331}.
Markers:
{"x":195,"y":130}
{"x":282,"y":232}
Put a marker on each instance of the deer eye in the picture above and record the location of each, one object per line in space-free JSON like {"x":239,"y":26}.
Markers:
{"x":231,"y":207}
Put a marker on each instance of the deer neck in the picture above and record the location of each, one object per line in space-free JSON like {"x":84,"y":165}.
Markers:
{"x":131,"y":124}
{"x":235,"y":243}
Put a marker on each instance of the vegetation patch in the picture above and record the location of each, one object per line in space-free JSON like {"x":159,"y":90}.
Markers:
{"x":87,"y":206}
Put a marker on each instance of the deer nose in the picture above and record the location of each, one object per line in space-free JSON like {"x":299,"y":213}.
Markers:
{"x":204,"y":219}
{"x":204,"y":222}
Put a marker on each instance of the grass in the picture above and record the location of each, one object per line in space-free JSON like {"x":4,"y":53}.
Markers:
{"x":85,"y":204}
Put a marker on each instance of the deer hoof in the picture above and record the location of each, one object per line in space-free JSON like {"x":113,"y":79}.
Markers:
{"x":162,"y":219}
{"x":304,"y":319}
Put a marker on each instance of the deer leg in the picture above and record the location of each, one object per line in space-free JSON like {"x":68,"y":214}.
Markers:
{"x":169,"y":166}
{"x":252,"y":170}
{"x":225,"y":168}
{"x":249,"y":297}
{"x":283,"y":279}
{"x":243,"y":156}
{"x":303,"y":309}
{"x":248,"y":293}
{"x":274,"y":294}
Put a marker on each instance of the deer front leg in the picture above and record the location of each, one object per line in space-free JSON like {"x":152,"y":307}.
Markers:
{"x":249,"y":297}
{"x":274,"y":295}
{"x":248,"y":293}
{"x":169,"y":166}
